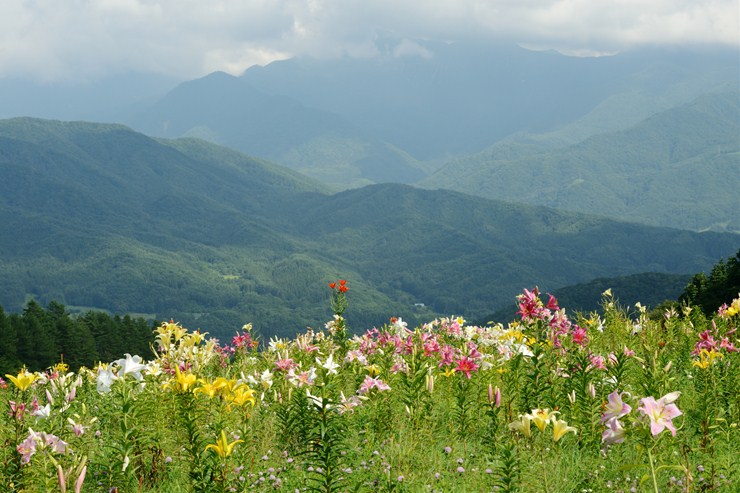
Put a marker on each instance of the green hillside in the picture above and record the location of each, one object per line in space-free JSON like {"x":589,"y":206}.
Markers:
{"x":678,"y":168}
{"x":99,"y":216}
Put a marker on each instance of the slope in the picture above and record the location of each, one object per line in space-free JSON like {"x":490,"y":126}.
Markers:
{"x":677,"y":168}
{"x":229,"y":111}
{"x":99,"y":216}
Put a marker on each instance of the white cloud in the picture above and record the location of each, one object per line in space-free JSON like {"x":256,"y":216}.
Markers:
{"x":78,"y":39}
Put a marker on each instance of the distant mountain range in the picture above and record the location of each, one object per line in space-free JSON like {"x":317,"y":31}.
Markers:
{"x":679,"y":168}
{"x":634,"y":136}
{"x":100,"y":216}
{"x":649,"y":135}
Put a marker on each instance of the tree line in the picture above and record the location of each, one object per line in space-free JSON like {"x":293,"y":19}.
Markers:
{"x":722,"y":285}
{"x":39,"y":337}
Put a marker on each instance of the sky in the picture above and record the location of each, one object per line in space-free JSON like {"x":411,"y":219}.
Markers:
{"x":83,"y":40}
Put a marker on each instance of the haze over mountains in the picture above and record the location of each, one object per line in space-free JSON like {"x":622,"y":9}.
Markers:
{"x":624,"y":135}
{"x":103,"y":216}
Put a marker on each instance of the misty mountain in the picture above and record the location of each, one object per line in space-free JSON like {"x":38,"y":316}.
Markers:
{"x":678,"y":168}
{"x":229,"y":111}
{"x":400,"y":113}
{"x":100,"y":216}
{"x":396,"y":116}
{"x":435,"y":99}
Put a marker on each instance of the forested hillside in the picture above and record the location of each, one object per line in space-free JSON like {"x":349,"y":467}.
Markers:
{"x":719,"y":288}
{"x":102,"y":217}
{"x":39,"y":337}
{"x":678,"y":168}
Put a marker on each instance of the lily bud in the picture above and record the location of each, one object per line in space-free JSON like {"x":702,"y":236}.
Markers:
{"x":669,"y":398}
{"x":80,"y":479}
{"x":62,"y":479}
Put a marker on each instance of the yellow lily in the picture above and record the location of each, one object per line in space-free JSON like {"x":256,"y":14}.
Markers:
{"x":242,"y":395}
{"x":225,"y":385}
{"x":182,"y":381}
{"x":222,"y":446}
{"x":540,"y":417}
{"x":706,"y":358}
{"x":23,"y":380}
{"x":208,"y":389}
{"x":523,"y":425}
{"x":560,"y":428}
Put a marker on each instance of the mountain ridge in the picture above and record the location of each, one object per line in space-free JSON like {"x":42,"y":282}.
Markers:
{"x":217,"y":238}
{"x":685,"y":155}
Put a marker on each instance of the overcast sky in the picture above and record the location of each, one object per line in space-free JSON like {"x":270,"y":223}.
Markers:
{"x":56,"y":40}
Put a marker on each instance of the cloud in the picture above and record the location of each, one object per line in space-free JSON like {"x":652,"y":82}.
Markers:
{"x":84,"y":39}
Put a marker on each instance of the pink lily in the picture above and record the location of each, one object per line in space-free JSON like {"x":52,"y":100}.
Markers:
{"x":661,"y":412}
{"x":615,"y":407}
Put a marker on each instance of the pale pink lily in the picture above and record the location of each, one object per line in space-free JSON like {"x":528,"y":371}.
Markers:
{"x":661,"y":412}
{"x":370,"y":383}
{"x":614,"y":432}
{"x":615,"y":407}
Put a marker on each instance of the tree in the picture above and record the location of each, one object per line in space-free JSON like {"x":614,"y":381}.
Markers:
{"x":9,"y":362}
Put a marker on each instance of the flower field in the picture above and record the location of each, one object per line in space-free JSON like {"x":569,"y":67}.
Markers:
{"x":621,"y":401}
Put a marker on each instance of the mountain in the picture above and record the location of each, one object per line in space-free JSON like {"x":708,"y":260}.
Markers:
{"x":229,"y":111}
{"x":396,"y":116}
{"x":677,"y":168}
{"x":401,"y":112}
{"x":436,"y":99}
{"x":100,"y":216}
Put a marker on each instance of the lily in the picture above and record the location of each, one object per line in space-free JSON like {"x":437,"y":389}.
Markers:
{"x":222,"y":446}
{"x":131,"y":365}
{"x":23,"y":380}
{"x":540,"y":417}
{"x":560,"y":428}
{"x":522,"y":425}
{"x":182,"y":381}
{"x":615,"y":407}
{"x":661,"y":412}
{"x":242,"y":395}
